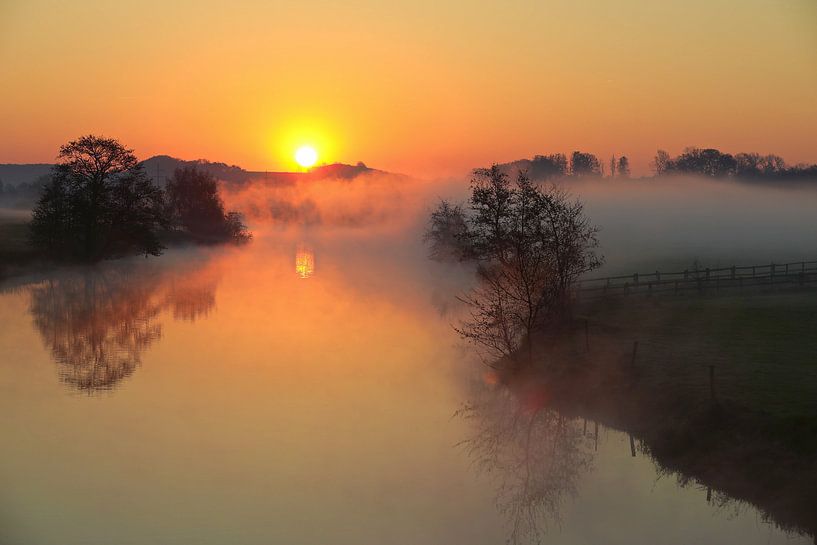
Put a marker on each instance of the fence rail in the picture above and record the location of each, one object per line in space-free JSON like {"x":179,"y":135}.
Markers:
{"x":798,"y":273}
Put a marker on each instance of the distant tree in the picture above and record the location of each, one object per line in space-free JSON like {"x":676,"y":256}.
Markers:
{"x":545,"y":167}
{"x":613,"y":165}
{"x":706,"y":162}
{"x":447,"y":233}
{"x":753,"y":165}
{"x":623,"y":167}
{"x":662,"y":164}
{"x":99,"y":203}
{"x":584,"y":164}
{"x":196,"y":207}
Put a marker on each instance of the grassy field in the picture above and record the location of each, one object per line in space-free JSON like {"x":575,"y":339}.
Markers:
{"x":762,"y":346}
{"x":754,"y":440}
{"x":14,"y":246}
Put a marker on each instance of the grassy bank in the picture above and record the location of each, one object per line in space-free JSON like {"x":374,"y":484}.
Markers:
{"x":18,"y":257}
{"x":749,"y":434}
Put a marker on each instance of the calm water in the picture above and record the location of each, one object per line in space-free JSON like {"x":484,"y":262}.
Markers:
{"x":301,"y":390}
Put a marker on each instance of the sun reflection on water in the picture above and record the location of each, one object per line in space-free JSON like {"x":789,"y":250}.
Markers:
{"x":304,"y":262}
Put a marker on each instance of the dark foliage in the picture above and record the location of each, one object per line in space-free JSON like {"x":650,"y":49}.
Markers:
{"x":623,"y":167}
{"x":447,"y":234}
{"x":530,"y":245}
{"x":715,"y":164}
{"x":545,"y":167}
{"x":584,"y":164}
{"x":98,"y":204}
{"x":196,"y":207}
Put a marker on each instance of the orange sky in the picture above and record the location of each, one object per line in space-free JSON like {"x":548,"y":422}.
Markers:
{"x":422,"y":87}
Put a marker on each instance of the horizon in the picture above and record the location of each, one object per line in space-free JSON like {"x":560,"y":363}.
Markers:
{"x":425,"y":93}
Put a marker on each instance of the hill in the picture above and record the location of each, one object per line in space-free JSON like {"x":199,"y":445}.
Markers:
{"x":161,"y":167}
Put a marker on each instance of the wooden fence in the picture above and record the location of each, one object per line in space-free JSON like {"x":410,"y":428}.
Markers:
{"x":773,"y":275}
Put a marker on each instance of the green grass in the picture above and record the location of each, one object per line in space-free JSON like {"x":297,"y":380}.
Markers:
{"x":755,"y":441}
{"x":763,"y":346}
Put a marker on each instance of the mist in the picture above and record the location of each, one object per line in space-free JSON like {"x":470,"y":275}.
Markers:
{"x":645,"y":224}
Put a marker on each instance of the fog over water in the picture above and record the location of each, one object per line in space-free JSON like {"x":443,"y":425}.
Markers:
{"x":221,"y":395}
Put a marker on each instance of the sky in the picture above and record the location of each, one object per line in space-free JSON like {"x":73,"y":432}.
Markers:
{"x":425,"y":87}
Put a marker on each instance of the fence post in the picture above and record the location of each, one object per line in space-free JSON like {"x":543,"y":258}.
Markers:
{"x":596,"y":435}
{"x":632,"y":446}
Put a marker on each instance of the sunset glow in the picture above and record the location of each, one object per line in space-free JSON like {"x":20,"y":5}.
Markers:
{"x":412,"y":87}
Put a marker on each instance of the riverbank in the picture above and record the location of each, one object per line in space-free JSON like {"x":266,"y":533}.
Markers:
{"x":719,"y":391}
{"x":19,"y":258}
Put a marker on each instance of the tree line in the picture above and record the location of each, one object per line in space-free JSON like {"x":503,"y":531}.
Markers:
{"x":99,"y":203}
{"x":716,"y":164}
{"x":579,"y":164}
{"x":693,"y":161}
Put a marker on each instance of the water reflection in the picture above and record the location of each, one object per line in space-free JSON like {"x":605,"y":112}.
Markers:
{"x":98,"y":322}
{"x":304,"y":261}
{"x":749,"y":443}
{"x":536,"y":455}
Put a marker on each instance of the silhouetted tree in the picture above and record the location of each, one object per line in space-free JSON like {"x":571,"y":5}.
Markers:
{"x":490,"y":223}
{"x":753,"y":165}
{"x":545,"y":167}
{"x":99,"y":203}
{"x":447,"y":233}
{"x":531,"y":244}
{"x":613,"y":165}
{"x":662,"y":164}
{"x":706,"y":162}
{"x":623,"y":167}
{"x":584,"y":164}
{"x":196,"y":206}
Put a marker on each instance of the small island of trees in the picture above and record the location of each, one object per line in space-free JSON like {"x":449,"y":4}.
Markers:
{"x":99,"y":203}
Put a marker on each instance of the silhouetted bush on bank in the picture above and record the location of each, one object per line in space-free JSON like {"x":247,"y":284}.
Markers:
{"x":196,"y":207}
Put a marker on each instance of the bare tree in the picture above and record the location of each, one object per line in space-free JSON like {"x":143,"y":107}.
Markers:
{"x":531,"y":244}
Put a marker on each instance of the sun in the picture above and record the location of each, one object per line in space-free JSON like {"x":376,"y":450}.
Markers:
{"x":306,"y":156}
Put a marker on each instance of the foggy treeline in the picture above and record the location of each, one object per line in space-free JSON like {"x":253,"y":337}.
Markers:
{"x":707,"y":162}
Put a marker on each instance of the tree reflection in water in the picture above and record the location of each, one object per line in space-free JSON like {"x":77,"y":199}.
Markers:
{"x":97,"y":323}
{"x":536,"y":455}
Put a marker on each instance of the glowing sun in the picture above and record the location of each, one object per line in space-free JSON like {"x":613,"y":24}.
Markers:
{"x":306,"y":156}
